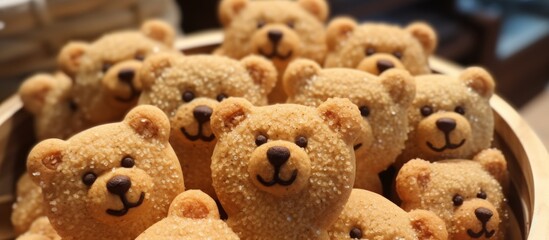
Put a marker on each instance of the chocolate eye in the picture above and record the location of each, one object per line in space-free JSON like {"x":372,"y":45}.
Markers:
{"x":460,"y":110}
{"x":482,"y":195}
{"x":106,"y":67}
{"x":397,"y":54}
{"x":89,"y":178}
{"x":260,"y":140}
{"x":458,"y":200}
{"x":72,"y":106}
{"x":426,"y":111}
{"x":355,"y":233}
{"x":127,"y":162}
{"x":260,"y":24}
{"x":188,"y":96}
{"x":290,"y":24}
{"x":364,"y":111}
{"x":301,"y":141}
{"x":139,"y":57}
{"x":370,"y":51}
{"x":221,"y":96}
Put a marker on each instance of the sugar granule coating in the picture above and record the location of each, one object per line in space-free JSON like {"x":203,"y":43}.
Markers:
{"x":193,"y":215}
{"x":375,"y":47}
{"x":88,"y":193}
{"x":463,"y":193}
{"x":383,"y":101}
{"x":371,"y":216}
{"x":104,"y":71}
{"x":450,"y":117}
{"x":279,"y":30}
{"x":189,"y":89}
{"x":279,"y":189}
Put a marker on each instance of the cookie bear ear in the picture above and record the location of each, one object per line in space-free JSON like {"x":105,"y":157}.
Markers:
{"x":194,"y":204}
{"x":34,"y":91}
{"x":339,"y":30}
{"x":228,"y":9}
{"x":428,"y":225}
{"x":400,"y":85}
{"x":229,"y":114}
{"x":152,"y":68}
{"x":318,"y":8}
{"x":262,"y":71}
{"x":149,"y":122}
{"x":297,"y":75}
{"x":70,"y":57}
{"x":493,"y":161}
{"x":159,"y":31}
{"x":44,"y":159}
{"x":413,"y":178}
{"x":343,"y":117}
{"x":479,"y":80}
{"x":425,"y":35}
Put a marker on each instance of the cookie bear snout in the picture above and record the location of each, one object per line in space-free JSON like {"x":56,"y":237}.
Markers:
{"x":275,"y":35}
{"x":446,"y":125}
{"x":119,"y":184}
{"x":278,"y":155}
{"x":202,"y":113}
{"x":383,"y":65}
{"x":126,"y":75}
{"x":483,"y":214}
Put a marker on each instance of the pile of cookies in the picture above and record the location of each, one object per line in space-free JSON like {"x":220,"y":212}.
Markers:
{"x":291,"y":129}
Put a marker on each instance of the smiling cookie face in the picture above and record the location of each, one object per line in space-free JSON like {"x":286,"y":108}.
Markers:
{"x":450,"y":118}
{"x":108,"y":174}
{"x":286,"y":161}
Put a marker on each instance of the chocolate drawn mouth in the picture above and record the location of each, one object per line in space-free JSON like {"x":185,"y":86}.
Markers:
{"x":275,"y":53}
{"x":133,"y":94}
{"x":356,"y":147}
{"x":448,"y":144}
{"x":483,"y":231}
{"x":127,"y":205}
{"x":198,"y":136}
{"x":277,"y":179}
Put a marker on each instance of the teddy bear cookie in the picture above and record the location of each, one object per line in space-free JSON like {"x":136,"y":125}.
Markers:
{"x":279,"y":30}
{"x":450,"y":117}
{"x":368,"y":215}
{"x":40,"y":229}
{"x":284,"y":171}
{"x":48,"y":98}
{"x":382,"y":100}
{"x":28,"y":205}
{"x":111,"y":181}
{"x":376,"y":47}
{"x":180,"y":86}
{"x":192,"y":215}
{"x":105,"y":71}
{"x":464,"y":193}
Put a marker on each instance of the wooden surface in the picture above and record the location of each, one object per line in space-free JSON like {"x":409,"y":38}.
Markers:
{"x":527,"y":156}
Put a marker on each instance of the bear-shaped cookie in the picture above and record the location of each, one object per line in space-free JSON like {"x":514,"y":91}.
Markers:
{"x":280,"y":30}
{"x":48,"y":97}
{"x":368,"y":215}
{"x":464,"y":193}
{"x":284,"y":171}
{"x":450,"y":117}
{"x":189,"y":89}
{"x":40,"y":229}
{"x":382,"y":100}
{"x":111,"y":181}
{"x":192,"y":215}
{"x":28,"y":206}
{"x":105,"y":70}
{"x":376,"y":47}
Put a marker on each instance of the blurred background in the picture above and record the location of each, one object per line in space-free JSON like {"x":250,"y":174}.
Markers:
{"x":508,"y":37}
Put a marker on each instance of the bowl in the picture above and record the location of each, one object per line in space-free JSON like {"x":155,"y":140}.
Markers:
{"x":528,"y":161}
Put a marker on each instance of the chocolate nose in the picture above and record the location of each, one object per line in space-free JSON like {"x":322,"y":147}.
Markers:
{"x":446,"y":124}
{"x":278,"y":156}
{"x":119,"y":184}
{"x":275,"y":35}
{"x":483,"y":214}
{"x":126,"y":75}
{"x":383,"y":65}
{"x":202,"y":113}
